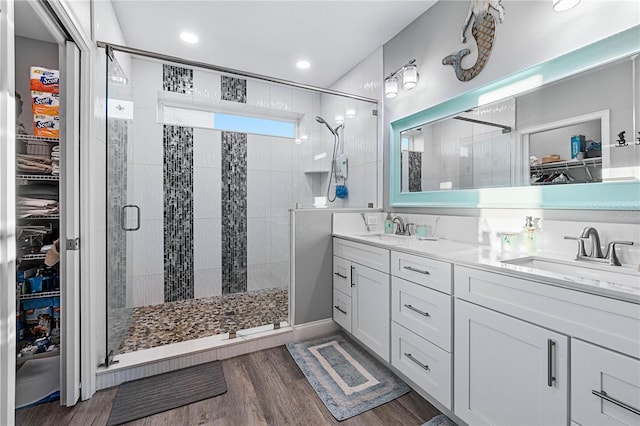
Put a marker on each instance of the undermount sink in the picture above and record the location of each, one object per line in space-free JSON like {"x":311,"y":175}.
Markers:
{"x":582,"y":270}
{"x":387,"y":238}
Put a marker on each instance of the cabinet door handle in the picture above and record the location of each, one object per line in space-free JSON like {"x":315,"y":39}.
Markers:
{"x":411,"y":268}
{"x":338,"y":308}
{"x":353,"y":268}
{"x":606,"y":397}
{"x":423,"y":366}
{"x":426,"y":314}
{"x":344,"y":277}
{"x":551,"y":352}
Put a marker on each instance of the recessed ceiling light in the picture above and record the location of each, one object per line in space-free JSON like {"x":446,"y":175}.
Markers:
{"x":189,"y":37}
{"x":303,"y":65}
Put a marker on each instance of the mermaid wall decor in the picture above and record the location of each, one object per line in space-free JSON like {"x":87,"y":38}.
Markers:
{"x":483,"y":31}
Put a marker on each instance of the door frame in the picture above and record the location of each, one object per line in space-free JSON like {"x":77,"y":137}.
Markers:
{"x":7,"y":215}
{"x":84,"y":358}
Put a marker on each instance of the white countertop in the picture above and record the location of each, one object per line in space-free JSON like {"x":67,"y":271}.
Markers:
{"x":484,"y":257}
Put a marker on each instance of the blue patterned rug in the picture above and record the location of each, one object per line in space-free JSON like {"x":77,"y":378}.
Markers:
{"x":347,"y":379}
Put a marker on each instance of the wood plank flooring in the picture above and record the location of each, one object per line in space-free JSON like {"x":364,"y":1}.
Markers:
{"x":263,"y":388}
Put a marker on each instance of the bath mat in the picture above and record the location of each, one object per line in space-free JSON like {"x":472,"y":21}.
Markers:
{"x":347,"y":379}
{"x":155,"y":394}
{"x":440,"y":420}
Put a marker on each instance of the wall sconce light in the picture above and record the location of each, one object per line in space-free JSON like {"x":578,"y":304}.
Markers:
{"x":410,"y":76}
{"x":562,"y":5}
{"x":350,"y":113}
{"x":339,"y":119}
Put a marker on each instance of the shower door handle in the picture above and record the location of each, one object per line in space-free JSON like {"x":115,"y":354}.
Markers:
{"x":123,"y":217}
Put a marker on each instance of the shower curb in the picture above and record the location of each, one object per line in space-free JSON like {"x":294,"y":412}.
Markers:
{"x":149,"y":362}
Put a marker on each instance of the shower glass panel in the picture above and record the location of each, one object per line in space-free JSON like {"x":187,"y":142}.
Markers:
{"x":204,"y":169}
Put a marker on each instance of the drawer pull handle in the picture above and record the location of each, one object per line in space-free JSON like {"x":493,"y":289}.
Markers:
{"x":606,"y":397}
{"x":411,"y":268}
{"x":426,"y":367}
{"x":551,"y":349}
{"x":344,"y":277}
{"x":338,"y":308}
{"x":353,"y":268}
{"x":426,"y":314}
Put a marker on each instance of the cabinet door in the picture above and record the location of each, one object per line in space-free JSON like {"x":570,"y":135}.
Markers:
{"x":370,"y":303}
{"x":605,"y":386}
{"x":342,"y":275}
{"x":507,"y":371}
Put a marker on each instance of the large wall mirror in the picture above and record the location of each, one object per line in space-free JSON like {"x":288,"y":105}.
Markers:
{"x":547,"y":137}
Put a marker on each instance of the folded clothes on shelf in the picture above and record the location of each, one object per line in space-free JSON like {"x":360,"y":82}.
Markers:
{"x":33,"y":163}
{"x":26,"y":207}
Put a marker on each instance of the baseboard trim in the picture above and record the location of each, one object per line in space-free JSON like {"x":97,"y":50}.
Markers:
{"x":149,"y":362}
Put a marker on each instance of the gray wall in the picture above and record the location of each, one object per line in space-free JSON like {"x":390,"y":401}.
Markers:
{"x":530,"y":34}
{"x":313,"y":258}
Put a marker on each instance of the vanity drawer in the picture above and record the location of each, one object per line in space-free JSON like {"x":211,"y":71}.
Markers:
{"x":373,"y":257}
{"x":424,"y":363}
{"x":618,"y":376}
{"x":342,"y":275}
{"x":424,"y":311}
{"x":342,"y":309}
{"x":428,"y":272}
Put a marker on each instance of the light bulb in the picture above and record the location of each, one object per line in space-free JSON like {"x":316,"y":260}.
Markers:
{"x":409,"y":76}
{"x":391,"y":86}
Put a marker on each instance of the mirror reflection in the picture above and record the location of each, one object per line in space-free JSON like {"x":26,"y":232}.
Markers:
{"x":566,"y":132}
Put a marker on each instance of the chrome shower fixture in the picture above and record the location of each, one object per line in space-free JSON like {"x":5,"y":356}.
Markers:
{"x":323,"y":121}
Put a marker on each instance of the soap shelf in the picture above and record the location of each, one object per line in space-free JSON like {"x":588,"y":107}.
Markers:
{"x":313,"y":172}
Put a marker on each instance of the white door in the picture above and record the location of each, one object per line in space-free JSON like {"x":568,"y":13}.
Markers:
{"x":7,"y":216}
{"x":70,"y":224}
{"x":370,"y":309}
{"x":507,"y":371}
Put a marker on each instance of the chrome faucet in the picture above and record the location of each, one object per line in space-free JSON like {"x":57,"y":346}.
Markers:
{"x":595,"y":251}
{"x":591,"y":234}
{"x":401,"y":229}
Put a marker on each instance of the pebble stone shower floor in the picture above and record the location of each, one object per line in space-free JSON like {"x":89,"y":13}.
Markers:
{"x":174,"y":322}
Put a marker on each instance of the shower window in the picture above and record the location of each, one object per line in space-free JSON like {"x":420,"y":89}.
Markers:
{"x":181,"y":116}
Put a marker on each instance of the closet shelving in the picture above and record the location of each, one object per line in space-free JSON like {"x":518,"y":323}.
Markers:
{"x":42,"y":147}
{"x":583,"y":171}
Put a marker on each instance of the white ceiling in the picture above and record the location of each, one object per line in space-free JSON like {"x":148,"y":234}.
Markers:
{"x":268,"y":37}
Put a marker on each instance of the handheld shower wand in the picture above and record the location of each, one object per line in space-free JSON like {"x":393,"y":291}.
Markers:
{"x":323,"y":121}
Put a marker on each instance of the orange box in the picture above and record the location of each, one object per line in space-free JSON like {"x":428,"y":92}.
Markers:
{"x":45,"y":80}
{"x":47,"y":126}
{"x":45,"y":103}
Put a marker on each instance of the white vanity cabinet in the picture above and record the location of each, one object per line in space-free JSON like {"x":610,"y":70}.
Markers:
{"x":361,"y":293}
{"x":512,"y":338}
{"x":605,"y":386}
{"x":507,"y":371}
{"x":421,"y":327}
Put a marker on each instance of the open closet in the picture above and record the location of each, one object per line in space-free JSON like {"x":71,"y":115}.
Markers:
{"x":46,"y":207}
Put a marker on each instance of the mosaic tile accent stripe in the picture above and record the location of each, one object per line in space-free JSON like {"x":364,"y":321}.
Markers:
{"x":415,"y":171}
{"x":177,"y":79}
{"x":233,"y":89}
{"x":117,"y":196}
{"x":234,"y":212}
{"x":178,"y":213}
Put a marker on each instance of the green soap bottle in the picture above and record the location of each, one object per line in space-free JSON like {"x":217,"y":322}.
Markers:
{"x":388,"y":224}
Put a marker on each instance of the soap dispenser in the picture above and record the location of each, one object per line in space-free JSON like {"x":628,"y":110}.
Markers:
{"x":388,"y":224}
{"x":528,"y":238}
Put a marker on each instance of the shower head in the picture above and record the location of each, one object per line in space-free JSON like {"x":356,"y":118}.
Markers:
{"x":323,"y":121}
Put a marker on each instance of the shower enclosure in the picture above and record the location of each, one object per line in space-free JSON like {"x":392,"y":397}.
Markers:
{"x":203,"y":169}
